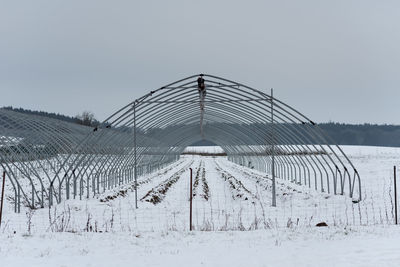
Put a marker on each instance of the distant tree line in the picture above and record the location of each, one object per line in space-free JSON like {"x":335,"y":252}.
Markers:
{"x":85,"y":118}
{"x":352,"y":134}
{"x":343,"y":134}
{"x":363,"y":134}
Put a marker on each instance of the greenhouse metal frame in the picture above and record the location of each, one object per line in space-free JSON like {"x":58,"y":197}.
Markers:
{"x":48,"y":160}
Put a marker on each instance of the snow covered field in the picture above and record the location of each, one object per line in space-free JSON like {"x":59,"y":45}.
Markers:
{"x":334,"y":246}
{"x":235,"y":223}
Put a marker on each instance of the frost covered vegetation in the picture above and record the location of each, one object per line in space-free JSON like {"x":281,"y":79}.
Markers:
{"x":226,"y":197}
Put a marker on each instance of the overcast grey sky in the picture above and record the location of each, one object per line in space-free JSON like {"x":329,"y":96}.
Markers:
{"x":332,"y":60}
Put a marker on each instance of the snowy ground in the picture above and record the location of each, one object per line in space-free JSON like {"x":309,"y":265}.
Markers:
{"x":232,"y":213}
{"x":367,"y":246}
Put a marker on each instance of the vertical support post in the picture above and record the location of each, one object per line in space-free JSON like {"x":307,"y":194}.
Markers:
{"x":273,"y":150}
{"x":15,"y":202}
{"x":87,"y":186}
{"x":19,"y":198}
{"x":135,"y":152}
{"x":80,"y":188}
{"x":59,"y":194}
{"x":191,"y":199}
{"x":66,"y":186}
{"x":2,"y":195}
{"x":74,"y":177}
{"x":395,"y":195}
{"x":98,"y":183}
{"x":33,"y":196}
{"x":42,"y":200}
{"x":50,"y":194}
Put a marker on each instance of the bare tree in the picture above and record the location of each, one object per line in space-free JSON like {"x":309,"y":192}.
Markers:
{"x":87,"y":118}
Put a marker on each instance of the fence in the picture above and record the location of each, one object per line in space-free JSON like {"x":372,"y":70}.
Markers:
{"x":225,"y":197}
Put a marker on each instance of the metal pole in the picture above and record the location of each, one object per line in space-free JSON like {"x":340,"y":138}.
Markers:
{"x":73,"y":173}
{"x":273,"y":150}
{"x":19,"y":198}
{"x":42,"y":200}
{"x":395,"y":195}
{"x":87,"y":187}
{"x":50,"y":195}
{"x":191,"y":198}
{"x":2,"y":195}
{"x":135,"y":151}
{"x":66,"y":185}
{"x":80,"y":189}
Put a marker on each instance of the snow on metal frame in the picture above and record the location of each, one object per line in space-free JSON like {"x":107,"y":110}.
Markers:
{"x":54,"y":159}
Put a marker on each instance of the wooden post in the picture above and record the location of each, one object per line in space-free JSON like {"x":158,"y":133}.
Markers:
{"x":2,"y":195}
{"x":395,"y":196}
{"x":191,"y":199}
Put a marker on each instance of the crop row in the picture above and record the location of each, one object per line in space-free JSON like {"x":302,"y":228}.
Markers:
{"x":158,"y":193}
{"x":238,"y":190}
{"x":124,"y":191}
